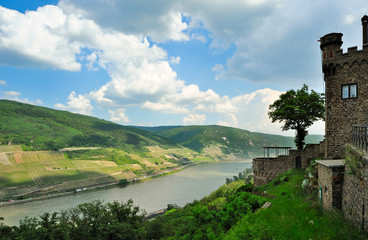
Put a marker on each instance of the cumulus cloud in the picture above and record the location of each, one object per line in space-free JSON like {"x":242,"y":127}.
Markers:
{"x":230,"y":120}
{"x":161,"y":20}
{"x":77,"y":104}
{"x":118,"y":115}
{"x":191,"y":99}
{"x":14,"y":95}
{"x":11,"y":93}
{"x":253,"y":108}
{"x":37,"y":39}
{"x":165,"y":107}
{"x":194,"y":119}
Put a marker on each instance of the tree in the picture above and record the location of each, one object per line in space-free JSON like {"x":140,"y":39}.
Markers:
{"x":298,"y":110}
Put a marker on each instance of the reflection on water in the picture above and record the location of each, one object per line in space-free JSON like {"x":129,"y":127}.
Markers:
{"x":190,"y":184}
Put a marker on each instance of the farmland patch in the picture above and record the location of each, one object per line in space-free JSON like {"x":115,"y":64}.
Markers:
{"x":4,"y":159}
{"x":10,"y":148}
{"x":11,"y":179}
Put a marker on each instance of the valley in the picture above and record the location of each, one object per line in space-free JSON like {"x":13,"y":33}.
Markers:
{"x":45,"y":151}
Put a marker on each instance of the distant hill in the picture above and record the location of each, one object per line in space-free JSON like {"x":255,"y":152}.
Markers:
{"x":47,"y":129}
{"x":40,"y":128}
{"x":231,"y":140}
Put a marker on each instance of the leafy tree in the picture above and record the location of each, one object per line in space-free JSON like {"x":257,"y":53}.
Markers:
{"x":298,"y":110}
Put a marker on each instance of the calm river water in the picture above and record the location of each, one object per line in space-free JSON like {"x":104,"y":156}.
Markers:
{"x":192,"y":183}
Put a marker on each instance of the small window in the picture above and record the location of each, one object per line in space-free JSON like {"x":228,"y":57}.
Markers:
{"x":349,"y":91}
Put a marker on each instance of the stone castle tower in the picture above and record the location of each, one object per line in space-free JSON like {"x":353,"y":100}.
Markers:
{"x":346,"y":86}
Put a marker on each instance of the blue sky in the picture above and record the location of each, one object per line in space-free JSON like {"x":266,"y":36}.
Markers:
{"x":168,"y":62}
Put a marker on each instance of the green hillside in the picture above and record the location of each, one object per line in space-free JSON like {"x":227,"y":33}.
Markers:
{"x":41,"y":128}
{"x":96,"y":151}
{"x":232,"y":140}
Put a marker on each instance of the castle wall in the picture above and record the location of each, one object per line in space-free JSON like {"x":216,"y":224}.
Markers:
{"x":355,"y":191}
{"x":265,"y":170}
{"x":330,"y":182}
{"x":341,"y":114}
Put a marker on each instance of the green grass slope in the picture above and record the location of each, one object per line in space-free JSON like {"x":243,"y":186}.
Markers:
{"x":231,"y":140}
{"x":42,"y":128}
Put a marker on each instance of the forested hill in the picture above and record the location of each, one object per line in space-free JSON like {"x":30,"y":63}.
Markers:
{"x":42,"y":128}
{"x":231,"y":140}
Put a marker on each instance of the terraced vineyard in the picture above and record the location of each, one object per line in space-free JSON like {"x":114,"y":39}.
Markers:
{"x":23,"y":172}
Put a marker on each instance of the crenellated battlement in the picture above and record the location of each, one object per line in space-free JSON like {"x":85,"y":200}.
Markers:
{"x":350,"y":59}
{"x":352,"y":53}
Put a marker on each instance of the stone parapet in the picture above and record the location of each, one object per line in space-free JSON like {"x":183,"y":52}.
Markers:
{"x":266,"y":169}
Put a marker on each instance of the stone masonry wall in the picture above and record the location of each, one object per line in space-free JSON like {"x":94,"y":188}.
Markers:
{"x":341,"y":69}
{"x":355,"y":191}
{"x":331,"y":181}
{"x":324,"y":180}
{"x":265,"y":170}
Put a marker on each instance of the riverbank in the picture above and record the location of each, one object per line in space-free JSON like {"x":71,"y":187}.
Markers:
{"x":94,"y":187}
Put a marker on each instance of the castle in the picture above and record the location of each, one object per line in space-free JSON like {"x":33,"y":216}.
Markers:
{"x":343,"y":184}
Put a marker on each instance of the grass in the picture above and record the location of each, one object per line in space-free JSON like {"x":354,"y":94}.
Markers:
{"x":65,"y":163}
{"x":10,"y":148}
{"x":293,"y":215}
{"x":24,"y":157}
{"x":92,"y":164}
{"x":50,"y":177}
{"x":13,"y":179}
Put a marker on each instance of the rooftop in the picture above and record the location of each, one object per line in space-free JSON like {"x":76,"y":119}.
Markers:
{"x":331,"y":163}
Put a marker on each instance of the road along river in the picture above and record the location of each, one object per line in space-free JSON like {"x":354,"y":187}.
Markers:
{"x":192,"y":183}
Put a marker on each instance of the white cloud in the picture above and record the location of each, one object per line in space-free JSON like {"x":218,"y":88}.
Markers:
{"x":139,"y":71}
{"x":37,"y":39}
{"x":118,"y":116}
{"x":11,"y":93}
{"x":2,"y":82}
{"x":189,"y":100}
{"x":92,"y":60}
{"x":77,"y":104}
{"x":14,"y":96}
{"x":175,"y":60}
{"x":165,"y":107}
{"x":253,"y":114}
{"x":198,"y":37}
{"x":219,"y":70}
{"x":161,"y":20}
{"x":253,"y":108}
{"x":231,"y":120}
{"x":194,"y":119}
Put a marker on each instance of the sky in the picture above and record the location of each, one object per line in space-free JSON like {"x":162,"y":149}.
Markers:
{"x":165,"y":62}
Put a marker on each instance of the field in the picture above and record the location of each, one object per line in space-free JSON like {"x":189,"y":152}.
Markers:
{"x":48,"y":171}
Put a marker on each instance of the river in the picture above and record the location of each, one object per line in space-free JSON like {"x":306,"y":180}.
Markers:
{"x":192,"y":183}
